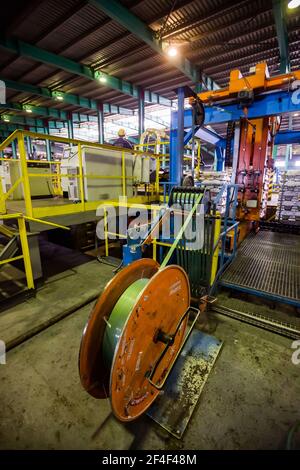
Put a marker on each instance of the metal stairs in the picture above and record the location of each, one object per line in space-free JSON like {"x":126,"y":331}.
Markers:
{"x":10,"y":249}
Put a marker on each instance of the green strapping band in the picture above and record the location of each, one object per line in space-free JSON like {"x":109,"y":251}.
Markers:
{"x":118,"y":317}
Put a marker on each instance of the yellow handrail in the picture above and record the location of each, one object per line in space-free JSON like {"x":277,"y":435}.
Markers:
{"x":66,"y":208}
{"x":24,"y":243}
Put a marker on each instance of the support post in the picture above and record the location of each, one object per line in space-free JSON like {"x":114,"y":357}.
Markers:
{"x":279,"y":7}
{"x":81,"y":178}
{"x":26,"y":182}
{"x":288,"y":150}
{"x":100,"y":121}
{"x":14,"y":149}
{"x":26,"y":253}
{"x":141,"y":111}
{"x":123,"y":174}
{"x":47,"y":142}
{"x":28,"y":146}
{"x":70,"y":126}
{"x":219,"y":154}
{"x":176,"y":141}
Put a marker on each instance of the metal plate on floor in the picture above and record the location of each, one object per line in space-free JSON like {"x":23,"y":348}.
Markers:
{"x":174,"y":407}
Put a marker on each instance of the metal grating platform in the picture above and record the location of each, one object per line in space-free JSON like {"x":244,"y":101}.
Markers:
{"x":267,"y":265}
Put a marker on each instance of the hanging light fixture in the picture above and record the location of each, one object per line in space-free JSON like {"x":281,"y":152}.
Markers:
{"x":102,"y":77}
{"x":172,"y":51}
{"x":58,"y":96}
{"x":27,"y":108}
{"x":293,"y":4}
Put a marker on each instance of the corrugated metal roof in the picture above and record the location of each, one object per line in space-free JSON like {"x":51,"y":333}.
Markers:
{"x":216,"y":35}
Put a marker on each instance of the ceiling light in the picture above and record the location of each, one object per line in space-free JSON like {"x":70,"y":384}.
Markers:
{"x":102,"y":77}
{"x":58,"y":96}
{"x":172,"y":51}
{"x":27,"y":108}
{"x":293,"y":4}
{"x":296,"y":114}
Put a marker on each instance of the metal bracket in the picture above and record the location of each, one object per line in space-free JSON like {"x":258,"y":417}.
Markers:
{"x":151,"y":374}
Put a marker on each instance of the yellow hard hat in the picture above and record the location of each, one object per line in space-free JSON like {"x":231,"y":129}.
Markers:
{"x":121,"y":132}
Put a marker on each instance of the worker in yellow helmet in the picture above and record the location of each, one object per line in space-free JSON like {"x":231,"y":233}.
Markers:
{"x":122,"y":141}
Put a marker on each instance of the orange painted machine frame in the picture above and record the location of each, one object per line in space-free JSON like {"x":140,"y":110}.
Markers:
{"x":259,"y":81}
{"x":255,"y":153}
{"x":256,"y":137}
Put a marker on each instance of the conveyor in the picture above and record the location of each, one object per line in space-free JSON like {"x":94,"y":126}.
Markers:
{"x":267,"y":265}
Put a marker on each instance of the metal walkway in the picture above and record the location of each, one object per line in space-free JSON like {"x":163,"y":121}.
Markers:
{"x":267,"y":265}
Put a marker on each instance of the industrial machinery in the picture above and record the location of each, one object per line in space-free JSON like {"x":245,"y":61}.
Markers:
{"x":251,"y":107}
{"x":143,"y":167}
{"x":137,"y":328}
{"x":134,"y":335}
{"x":41,"y":186}
{"x":95,"y":163}
{"x":266,"y":264}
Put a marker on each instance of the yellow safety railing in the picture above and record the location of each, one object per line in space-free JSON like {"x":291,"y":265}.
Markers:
{"x":154,"y":209}
{"x":66,"y":208}
{"x":24,"y":247}
{"x":21,"y":219}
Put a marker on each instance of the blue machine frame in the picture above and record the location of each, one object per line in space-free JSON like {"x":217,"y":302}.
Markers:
{"x":269,"y":104}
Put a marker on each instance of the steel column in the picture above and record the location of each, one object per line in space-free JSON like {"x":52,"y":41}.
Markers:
{"x":176,"y":140}
{"x":219,"y":158}
{"x":141,"y":111}
{"x":100,"y":121}
{"x":70,"y":126}
{"x":48,"y":142}
{"x":28,"y":146}
{"x":288,"y":150}
{"x":282,"y":35}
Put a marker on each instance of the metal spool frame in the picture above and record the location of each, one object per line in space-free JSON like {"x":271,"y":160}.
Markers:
{"x":144,"y":339}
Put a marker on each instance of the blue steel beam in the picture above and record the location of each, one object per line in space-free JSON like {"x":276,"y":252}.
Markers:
{"x":287,"y":137}
{"x":279,"y":7}
{"x":210,"y":137}
{"x":271,"y":104}
{"x":115,"y":10}
{"x":41,"y":55}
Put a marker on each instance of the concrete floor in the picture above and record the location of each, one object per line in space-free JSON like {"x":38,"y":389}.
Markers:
{"x":61,"y":294}
{"x":250,"y":400}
